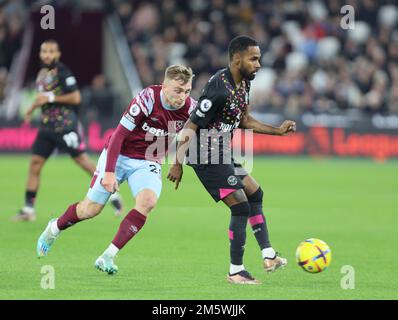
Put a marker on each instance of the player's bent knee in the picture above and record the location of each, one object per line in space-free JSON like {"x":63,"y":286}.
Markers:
{"x":80,"y":159}
{"x":234,"y":198}
{"x":149,"y":203}
{"x":146,"y":201}
{"x":257,"y":196}
{"x":241,"y":209}
{"x":36,"y":163}
{"x":88,"y":209}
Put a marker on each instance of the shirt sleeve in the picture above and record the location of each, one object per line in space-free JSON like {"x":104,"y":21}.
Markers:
{"x":192,"y":106}
{"x":212,"y":99}
{"x":138,"y":109}
{"x":69,"y":82}
{"x":114,"y":147}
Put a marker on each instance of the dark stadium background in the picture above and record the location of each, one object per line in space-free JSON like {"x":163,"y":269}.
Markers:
{"x":341,"y":86}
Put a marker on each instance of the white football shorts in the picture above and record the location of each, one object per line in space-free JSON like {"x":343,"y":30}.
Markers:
{"x":139,"y":173}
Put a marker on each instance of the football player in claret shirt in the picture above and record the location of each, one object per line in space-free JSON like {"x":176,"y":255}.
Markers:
{"x":222,"y":107}
{"x":59,"y":99}
{"x":155,"y":115}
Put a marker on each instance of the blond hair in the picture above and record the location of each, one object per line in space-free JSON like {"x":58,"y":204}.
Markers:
{"x":179,"y":73}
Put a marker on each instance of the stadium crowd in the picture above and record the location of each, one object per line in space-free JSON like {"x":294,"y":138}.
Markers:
{"x":12,"y":17}
{"x":309,"y":61}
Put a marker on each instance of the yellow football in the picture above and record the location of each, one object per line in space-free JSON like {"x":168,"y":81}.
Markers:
{"x":313,"y":255}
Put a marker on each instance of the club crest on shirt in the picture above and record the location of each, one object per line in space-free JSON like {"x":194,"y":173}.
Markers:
{"x":178,"y":125}
{"x":232,"y":180}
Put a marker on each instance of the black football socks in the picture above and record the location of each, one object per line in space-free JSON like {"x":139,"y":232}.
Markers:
{"x":237,"y":231}
{"x":257,"y":219}
{"x":30,"y":197}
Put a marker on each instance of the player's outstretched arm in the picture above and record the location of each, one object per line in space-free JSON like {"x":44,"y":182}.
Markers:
{"x":72,"y":98}
{"x":109,"y":181}
{"x":248,"y":122}
{"x":184,"y":139}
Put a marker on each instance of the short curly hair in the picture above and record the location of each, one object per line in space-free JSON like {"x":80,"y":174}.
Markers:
{"x":240,"y":44}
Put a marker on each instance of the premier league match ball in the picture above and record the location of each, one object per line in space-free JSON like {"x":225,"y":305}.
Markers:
{"x":313,"y":255}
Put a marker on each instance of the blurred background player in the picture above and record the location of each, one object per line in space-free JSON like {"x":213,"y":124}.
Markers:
{"x":223,"y":107}
{"x":155,"y":114}
{"x":59,"y":99}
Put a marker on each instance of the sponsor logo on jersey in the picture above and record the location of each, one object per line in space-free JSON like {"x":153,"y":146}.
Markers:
{"x":154,"y":131}
{"x":228,"y":126}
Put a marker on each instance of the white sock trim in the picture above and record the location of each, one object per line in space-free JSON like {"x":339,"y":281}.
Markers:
{"x":54,"y":228}
{"x":268,"y":253}
{"x":112,"y":250}
{"x":28,"y":210}
{"x":233,"y":268}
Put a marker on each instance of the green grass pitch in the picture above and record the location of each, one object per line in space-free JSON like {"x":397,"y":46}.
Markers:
{"x":182,"y":253}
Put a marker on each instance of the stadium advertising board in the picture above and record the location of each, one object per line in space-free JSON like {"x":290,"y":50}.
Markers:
{"x":317,"y":135}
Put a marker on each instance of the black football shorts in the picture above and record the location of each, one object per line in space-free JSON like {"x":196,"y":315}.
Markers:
{"x":47,"y":141}
{"x":220,"y":180}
